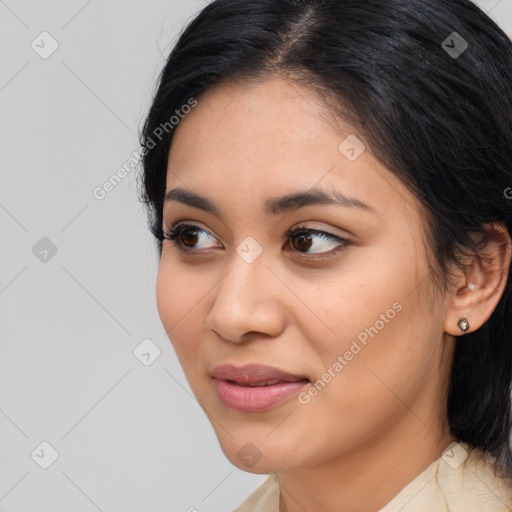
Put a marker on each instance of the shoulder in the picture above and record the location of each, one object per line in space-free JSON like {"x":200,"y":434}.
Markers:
{"x":463,"y":479}
{"x":264,"y":499}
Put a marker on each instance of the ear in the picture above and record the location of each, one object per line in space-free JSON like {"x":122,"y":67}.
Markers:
{"x":477,"y":292}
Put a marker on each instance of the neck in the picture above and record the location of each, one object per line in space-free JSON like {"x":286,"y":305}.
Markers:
{"x":366,"y":477}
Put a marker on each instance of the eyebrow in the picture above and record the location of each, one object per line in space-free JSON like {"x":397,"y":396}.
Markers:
{"x":273,"y":205}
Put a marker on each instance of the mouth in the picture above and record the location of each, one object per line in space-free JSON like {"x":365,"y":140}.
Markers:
{"x":254,"y":387}
{"x":259,"y":384}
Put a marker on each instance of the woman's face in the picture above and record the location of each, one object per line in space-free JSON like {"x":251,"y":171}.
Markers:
{"x":347,"y":305}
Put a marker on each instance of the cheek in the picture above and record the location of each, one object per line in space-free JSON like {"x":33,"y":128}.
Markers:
{"x":382,"y":357}
{"x":179,"y":305}
{"x":168,"y":292}
{"x":368,"y":297}
{"x":373,"y":316}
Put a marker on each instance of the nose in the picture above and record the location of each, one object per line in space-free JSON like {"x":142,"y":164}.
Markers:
{"x":248,"y":300}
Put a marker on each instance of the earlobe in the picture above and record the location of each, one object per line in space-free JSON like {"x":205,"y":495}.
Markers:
{"x":478,"y":291}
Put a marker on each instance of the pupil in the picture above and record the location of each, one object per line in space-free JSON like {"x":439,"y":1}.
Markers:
{"x":185,"y":234}
{"x":304,"y":242}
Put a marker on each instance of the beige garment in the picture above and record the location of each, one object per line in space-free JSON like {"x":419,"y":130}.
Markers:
{"x":461,"y":480}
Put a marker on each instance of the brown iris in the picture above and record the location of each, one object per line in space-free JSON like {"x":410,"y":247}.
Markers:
{"x":304,"y":242}
{"x":186,"y":234}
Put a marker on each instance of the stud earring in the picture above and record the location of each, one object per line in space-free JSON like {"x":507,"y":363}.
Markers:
{"x":463,"y":324}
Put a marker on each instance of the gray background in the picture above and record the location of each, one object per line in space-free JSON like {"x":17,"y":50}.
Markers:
{"x":129,"y":437}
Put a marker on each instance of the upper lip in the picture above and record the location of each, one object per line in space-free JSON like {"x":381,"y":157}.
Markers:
{"x":253,"y":373}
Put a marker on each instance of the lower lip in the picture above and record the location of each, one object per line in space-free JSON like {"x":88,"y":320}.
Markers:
{"x":256,"y":399}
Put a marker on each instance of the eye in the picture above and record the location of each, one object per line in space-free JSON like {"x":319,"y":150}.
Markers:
{"x":316,"y":242}
{"x":188,"y":236}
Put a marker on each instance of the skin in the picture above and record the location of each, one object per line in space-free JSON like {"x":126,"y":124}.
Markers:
{"x":380,"y":421}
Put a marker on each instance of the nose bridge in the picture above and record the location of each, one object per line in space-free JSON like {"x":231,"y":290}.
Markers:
{"x":247,"y":277}
{"x":244,"y":300}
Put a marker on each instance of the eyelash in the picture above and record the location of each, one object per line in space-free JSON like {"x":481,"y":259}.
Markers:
{"x":175,"y":232}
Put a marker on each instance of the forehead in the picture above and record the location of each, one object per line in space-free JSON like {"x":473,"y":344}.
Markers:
{"x":272,"y":137}
{"x":256,"y":119}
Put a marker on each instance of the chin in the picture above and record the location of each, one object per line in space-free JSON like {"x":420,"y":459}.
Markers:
{"x":261,"y":467}
{"x":248,"y":456}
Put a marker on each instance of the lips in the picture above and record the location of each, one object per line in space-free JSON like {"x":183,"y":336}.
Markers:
{"x":254,"y":375}
{"x":254,"y":387}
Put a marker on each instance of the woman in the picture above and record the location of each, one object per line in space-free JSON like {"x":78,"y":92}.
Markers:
{"x":329,"y":185}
